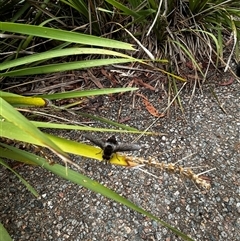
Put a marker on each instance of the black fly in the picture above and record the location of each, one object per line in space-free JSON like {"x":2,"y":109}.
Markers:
{"x":111,"y":146}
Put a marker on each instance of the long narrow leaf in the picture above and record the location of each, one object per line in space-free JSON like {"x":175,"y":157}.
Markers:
{"x":86,"y":128}
{"x":23,"y":124}
{"x":4,"y":236}
{"x":28,"y":186}
{"x":60,"y":53}
{"x":94,"y":186}
{"x":123,"y":8}
{"x":51,"y":68}
{"x":10,"y":131}
{"x":110,"y":122}
{"x":26,"y":101}
{"x":85,"y":93}
{"x":63,"y":35}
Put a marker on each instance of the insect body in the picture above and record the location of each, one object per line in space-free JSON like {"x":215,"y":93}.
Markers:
{"x":111,"y":146}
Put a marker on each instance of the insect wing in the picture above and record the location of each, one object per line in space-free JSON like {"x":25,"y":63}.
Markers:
{"x":112,"y":140}
{"x":127,"y":147}
{"x":95,"y":141}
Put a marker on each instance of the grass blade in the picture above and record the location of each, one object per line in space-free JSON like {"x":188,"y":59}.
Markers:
{"x":85,"y":93}
{"x":28,"y":186}
{"x":23,"y":124}
{"x":4,"y":236}
{"x":94,"y":186}
{"x":51,"y":68}
{"x":63,"y":35}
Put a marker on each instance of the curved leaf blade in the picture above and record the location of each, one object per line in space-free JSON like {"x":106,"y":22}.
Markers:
{"x":4,"y":236}
{"x":28,"y":186}
{"x":53,"y":68}
{"x":63,"y":35}
{"x":93,"y":185}
{"x":23,"y":124}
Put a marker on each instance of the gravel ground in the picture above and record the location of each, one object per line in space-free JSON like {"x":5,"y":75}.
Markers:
{"x":65,"y":211}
